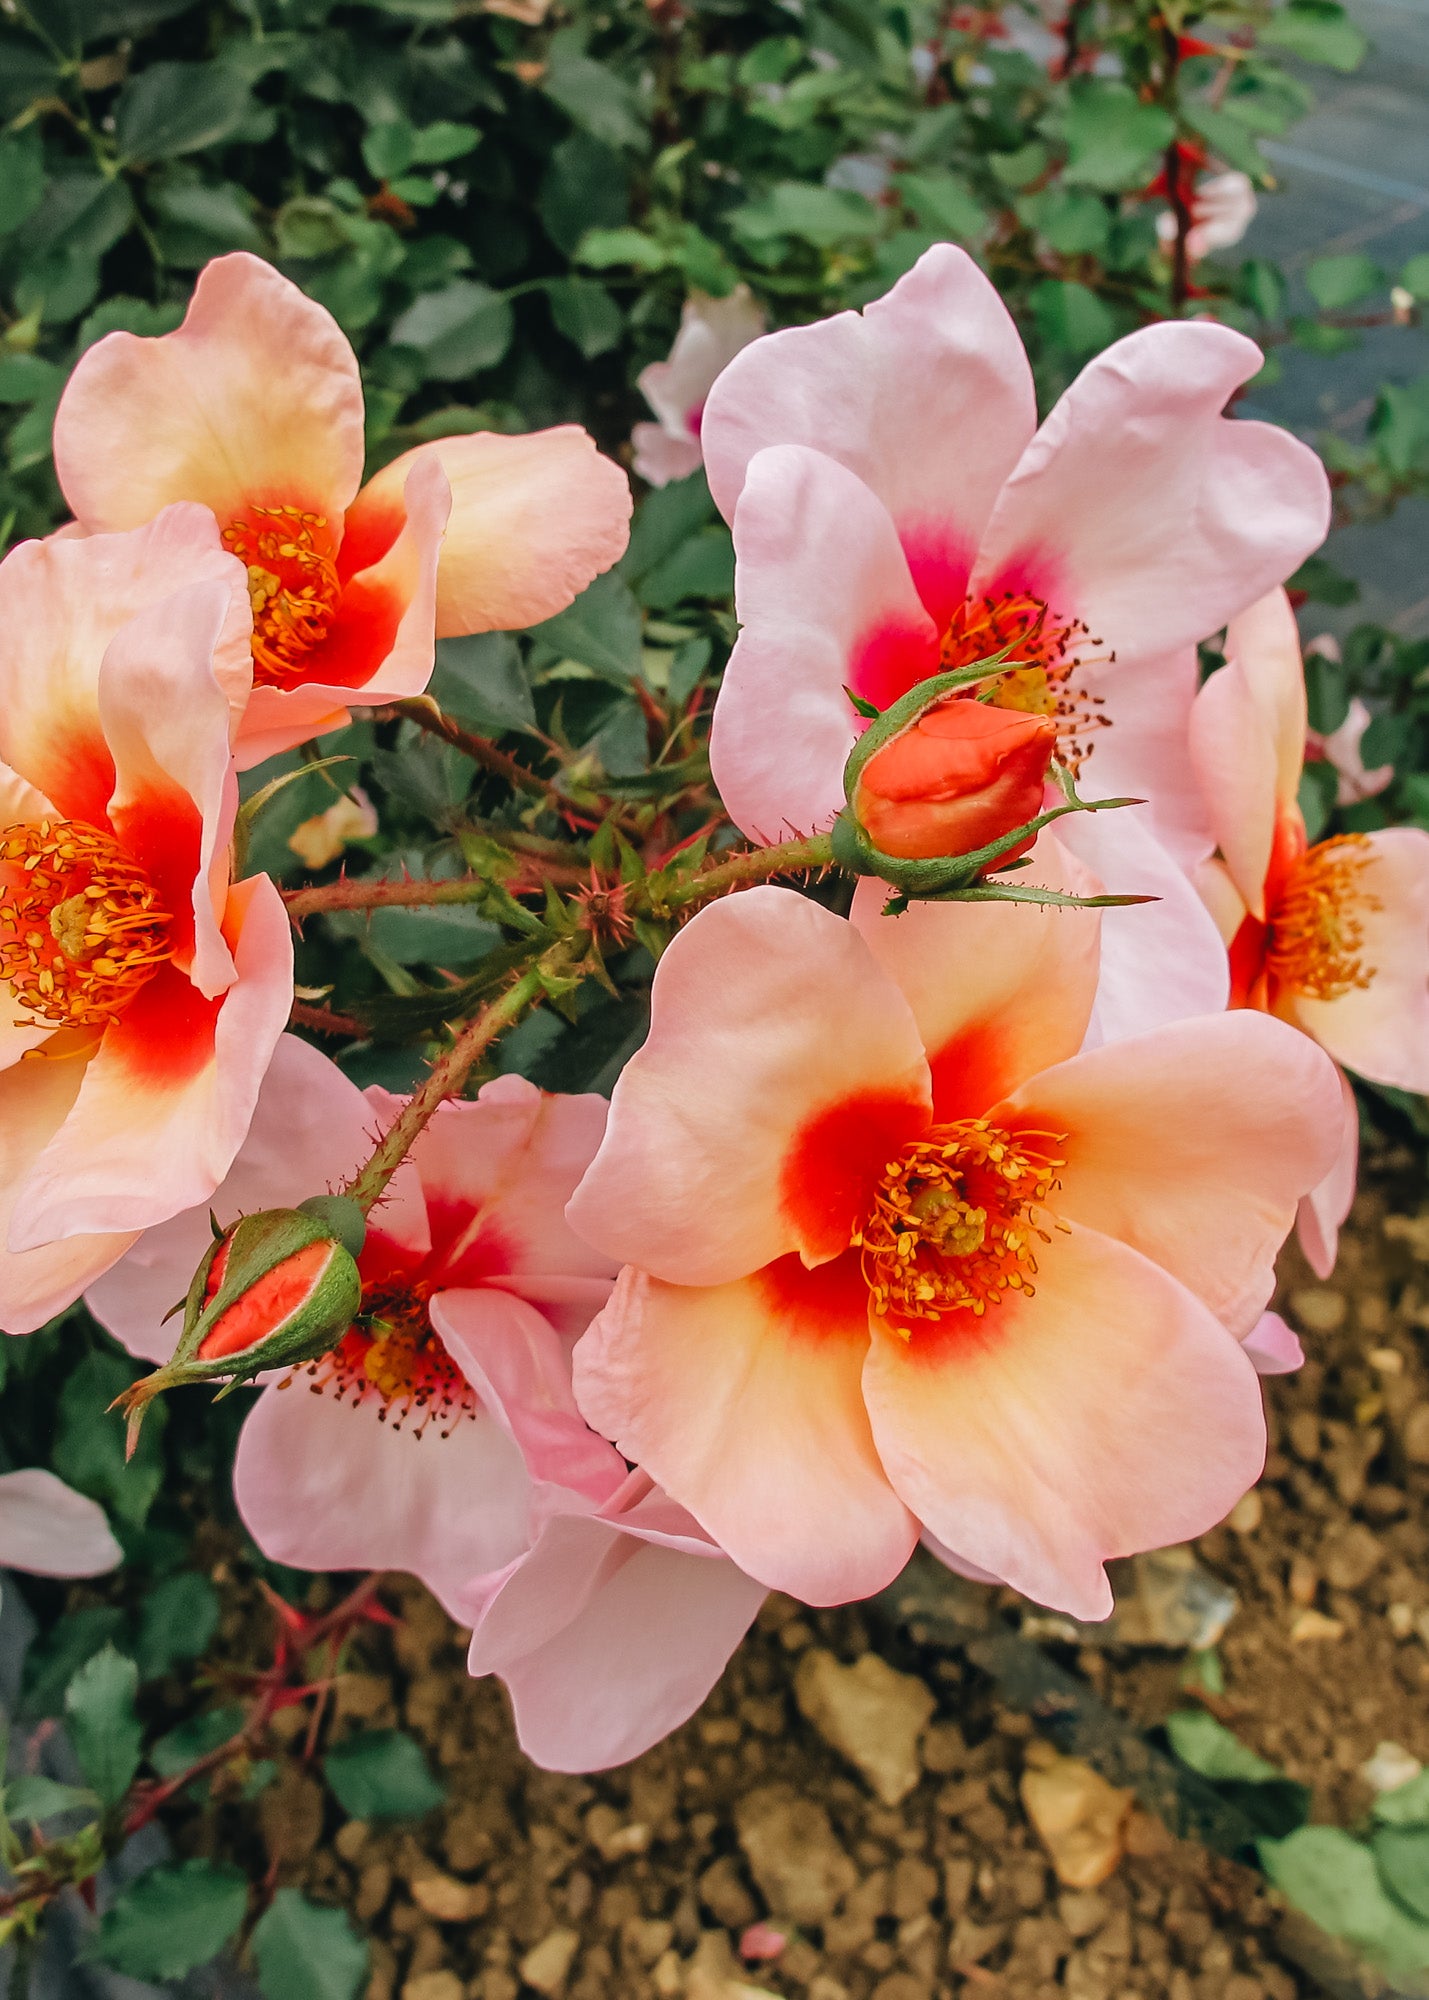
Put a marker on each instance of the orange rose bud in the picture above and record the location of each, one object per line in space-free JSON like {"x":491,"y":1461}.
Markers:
{"x":959,"y":777}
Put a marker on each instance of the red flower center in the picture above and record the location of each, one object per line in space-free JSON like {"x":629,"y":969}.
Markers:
{"x":81,"y":924}
{"x":293,"y":586}
{"x":1315,"y":935}
{"x":1048,"y":649}
{"x":393,"y":1355}
{"x":956,"y":1222}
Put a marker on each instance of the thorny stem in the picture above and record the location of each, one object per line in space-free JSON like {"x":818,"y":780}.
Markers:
{"x":411,"y":894}
{"x":324,"y":1021}
{"x":424,"y":712}
{"x":759,"y":864}
{"x":444,"y":1079}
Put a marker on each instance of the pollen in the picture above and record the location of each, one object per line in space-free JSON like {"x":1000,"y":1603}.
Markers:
{"x":1048,"y":650}
{"x":1316,"y":940}
{"x":82,"y":927}
{"x":393,"y":1356}
{"x":957,"y":1223}
{"x":292,"y":585}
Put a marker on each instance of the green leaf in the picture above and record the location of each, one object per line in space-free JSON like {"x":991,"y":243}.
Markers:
{"x":458,"y":330}
{"x":170,"y":108}
{"x":603,"y":249}
{"x":482,"y":679}
{"x":1406,"y":1805}
{"x":433,"y":145}
{"x":944,"y":202}
{"x":196,"y":222}
{"x":99,"y":1707}
{"x":1071,"y":317}
{"x":177,"y":1619}
{"x":1262,"y":286}
{"x":586,"y":188}
{"x":586,"y":314}
{"x":1415,"y":277}
{"x":183,"y":1746}
{"x":593,"y":96}
{"x":1333,"y":1878}
{"x":1318,"y":32}
{"x":703,"y":566}
{"x":36,"y":1797}
{"x":664,"y":519}
{"x":307,"y":1953}
{"x":51,"y":1662}
{"x":1210,"y":1748}
{"x":89,"y":1443}
{"x":1074,"y":221}
{"x":1319,"y":579}
{"x":389,"y":149}
{"x":1113,"y":139}
{"x":22,"y":178}
{"x":1339,"y":281}
{"x":818,"y":215}
{"x":309,"y":227}
{"x":1401,"y":1854}
{"x":1227,"y":138}
{"x":172,"y":1919}
{"x":601,"y":630}
{"x":1327,"y":692}
{"x":382,"y":1775}
{"x":25,"y":378}
{"x":1315,"y":794}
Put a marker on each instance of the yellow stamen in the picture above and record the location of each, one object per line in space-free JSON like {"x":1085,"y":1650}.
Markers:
{"x":81,"y":925}
{"x":1048,"y":650}
{"x":1316,"y":928}
{"x":292,"y":585}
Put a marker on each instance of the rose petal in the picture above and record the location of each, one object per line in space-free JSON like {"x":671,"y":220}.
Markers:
{"x":47,"y":1529}
{"x":1324,"y":1208}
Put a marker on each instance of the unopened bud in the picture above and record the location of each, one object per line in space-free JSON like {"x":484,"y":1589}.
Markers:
{"x":275,"y":1289}
{"x":958,"y":777}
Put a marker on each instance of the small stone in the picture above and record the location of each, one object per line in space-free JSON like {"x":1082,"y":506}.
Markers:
{"x":1390,"y":1766}
{"x":351,"y":1837}
{"x":1415,"y":1435}
{"x":1303,"y":1433}
{"x":724,"y":1895}
{"x":668,"y":1976}
{"x":612,"y":1836}
{"x":1079,"y":1818}
{"x":447,"y":1899}
{"x":1400,"y":1619}
{"x":870,"y":1714}
{"x":1174,"y":1601}
{"x":1313,"y":1625}
{"x":434,"y":1986}
{"x":1304,"y":1580}
{"x":374,"y":1886}
{"x":1350,"y":1558}
{"x":793,"y":1853}
{"x":1247,"y":1514}
{"x":1388,"y":1360}
{"x":1083,"y":1911}
{"x":1318,"y":1310}
{"x":547,"y":1965}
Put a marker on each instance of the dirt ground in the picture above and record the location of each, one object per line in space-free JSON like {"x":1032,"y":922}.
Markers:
{"x":641,"y":1884}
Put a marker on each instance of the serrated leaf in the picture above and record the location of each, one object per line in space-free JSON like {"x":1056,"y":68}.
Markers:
{"x":171,"y":1920}
{"x":601,"y":630}
{"x":177,"y":1619}
{"x":34,"y":1797}
{"x":593,"y":96}
{"x":89,"y":1447}
{"x":304,"y":1952}
{"x":170,"y":108}
{"x":458,"y":330}
{"x":1333,"y":1878}
{"x":382,"y":1774}
{"x":1210,"y":1748}
{"x":99,"y":1708}
{"x":586,"y":314}
{"x":191,"y":1740}
{"x":1113,"y":139}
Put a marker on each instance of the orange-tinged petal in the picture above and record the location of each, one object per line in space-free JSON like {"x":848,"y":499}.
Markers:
{"x":534,"y":519}
{"x":744,"y":1402}
{"x":255,"y":398}
{"x":1110,"y":1412}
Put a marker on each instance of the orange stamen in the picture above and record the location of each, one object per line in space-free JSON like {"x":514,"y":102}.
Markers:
{"x":293,"y":586}
{"x":1316,"y":933}
{"x":81,"y":924}
{"x":393,"y":1354}
{"x":1048,"y":650}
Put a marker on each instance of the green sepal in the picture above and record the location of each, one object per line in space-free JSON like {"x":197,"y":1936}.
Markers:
{"x":903,"y":713}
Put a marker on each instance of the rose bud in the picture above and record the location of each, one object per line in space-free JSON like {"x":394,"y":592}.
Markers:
{"x":961,"y":775}
{"x":276,"y":1289}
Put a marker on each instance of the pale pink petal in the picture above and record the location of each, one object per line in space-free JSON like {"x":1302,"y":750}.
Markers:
{"x":1272,"y":1347}
{"x":1141,"y":510}
{"x":35,"y":1099}
{"x":1221,"y":897}
{"x":1324,"y":1208}
{"x":47,"y":1529}
{"x":998,"y":990}
{"x":381,"y":644}
{"x":659,"y":459}
{"x":743,"y":1401}
{"x":20,"y":805}
{"x":1193,"y":1145}
{"x":1264,"y":641}
{"x":826,"y":603}
{"x":256,"y":397}
{"x":513,"y":1159}
{"x":534,"y":519}
{"x":312,"y":1128}
{"x":781,"y":1064}
{"x":61,"y":603}
{"x":1342,"y":749}
{"x":1232,"y":753}
{"x":607,"y":1642}
{"x":165,"y":721}
{"x":712,"y":331}
{"x":1160,"y":961}
{"x":926,"y":396}
{"x":167,"y":1101}
{"x":1142,"y":754}
{"x":1381,"y":1031}
{"x":327,"y":1485}
{"x":521,"y":1369}
{"x":1110,"y":1413}
{"x":959,"y":1565}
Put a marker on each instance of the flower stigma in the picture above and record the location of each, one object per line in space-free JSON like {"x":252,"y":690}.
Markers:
{"x":394,"y":1355}
{"x":955,"y":1222}
{"x":1049,"y":651}
{"x":1316,"y":932}
{"x":81,"y":925}
{"x":293,"y":585}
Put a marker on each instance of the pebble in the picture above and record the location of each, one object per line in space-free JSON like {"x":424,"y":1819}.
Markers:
{"x":1318,"y":1310}
{"x":1247,"y":1514}
{"x":870,"y":1714}
{"x":793,"y":1853}
{"x":1079,"y":1818}
{"x":447,"y":1899}
{"x":1351,"y":1557}
{"x":433,"y":1986}
{"x":1414,"y":1436}
{"x":1390,"y":1766}
{"x":1311,"y":1625}
{"x":547,"y":1965}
